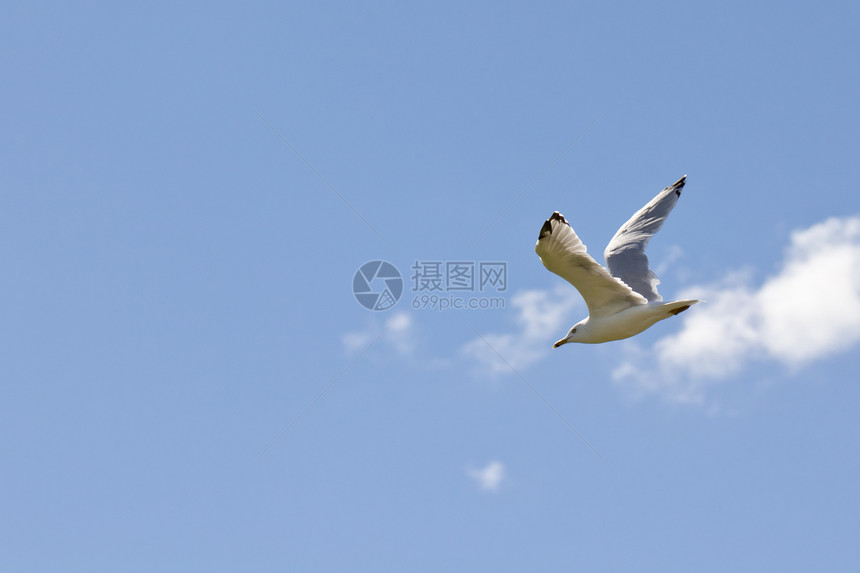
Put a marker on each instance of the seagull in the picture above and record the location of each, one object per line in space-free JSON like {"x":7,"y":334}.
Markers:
{"x":622,"y":299}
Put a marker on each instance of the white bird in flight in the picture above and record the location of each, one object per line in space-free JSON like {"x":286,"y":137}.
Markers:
{"x":623,"y":300}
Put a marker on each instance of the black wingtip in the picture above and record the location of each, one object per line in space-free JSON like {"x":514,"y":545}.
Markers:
{"x":545,"y":230}
{"x":547,"y":226}
{"x":678,"y":185}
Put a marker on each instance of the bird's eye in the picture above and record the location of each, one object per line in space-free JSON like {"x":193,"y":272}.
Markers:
{"x":573,"y":331}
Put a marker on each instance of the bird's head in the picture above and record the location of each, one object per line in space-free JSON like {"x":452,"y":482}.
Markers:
{"x":574,"y":334}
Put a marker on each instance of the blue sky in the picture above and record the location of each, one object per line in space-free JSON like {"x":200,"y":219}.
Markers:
{"x":177,"y":287}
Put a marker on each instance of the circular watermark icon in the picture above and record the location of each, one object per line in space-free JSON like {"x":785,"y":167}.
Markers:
{"x":377,"y":285}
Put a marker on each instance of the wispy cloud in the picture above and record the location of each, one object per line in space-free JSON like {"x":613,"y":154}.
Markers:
{"x":808,"y":310}
{"x":541,"y":316}
{"x":490,"y":477}
{"x":400,"y":335}
{"x":673,"y":254}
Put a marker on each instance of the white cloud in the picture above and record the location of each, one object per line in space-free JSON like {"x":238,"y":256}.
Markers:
{"x":542,"y":316}
{"x":399,"y":334}
{"x":355,"y":341}
{"x":490,"y":477}
{"x":673,"y":254}
{"x":808,"y":310}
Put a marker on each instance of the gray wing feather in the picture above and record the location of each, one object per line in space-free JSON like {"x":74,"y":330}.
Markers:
{"x":625,"y":254}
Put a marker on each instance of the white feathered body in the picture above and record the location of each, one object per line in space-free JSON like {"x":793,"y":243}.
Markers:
{"x":629,"y":322}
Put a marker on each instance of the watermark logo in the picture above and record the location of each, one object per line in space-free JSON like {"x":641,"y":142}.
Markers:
{"x":377,"y":285}
{"x":438,"y":285}
{"x":453,"y":276}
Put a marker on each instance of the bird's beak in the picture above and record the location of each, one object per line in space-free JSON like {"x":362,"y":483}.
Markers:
{"x":559,"y":343}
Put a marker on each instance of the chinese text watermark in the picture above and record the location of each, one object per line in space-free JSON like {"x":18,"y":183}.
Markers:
{"x":436,"y":285}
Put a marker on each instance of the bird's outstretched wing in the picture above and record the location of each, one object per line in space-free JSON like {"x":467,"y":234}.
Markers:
{"x":561,"y":251}
{"x":625,"y":254}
